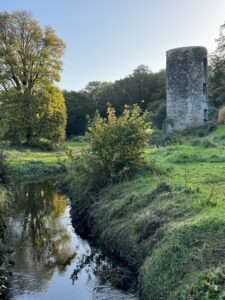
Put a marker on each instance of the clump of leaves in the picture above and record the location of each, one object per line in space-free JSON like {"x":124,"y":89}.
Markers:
{"x":210,"y":286}
{"x":118,"y":143}
{"x":207,"y":143}
{"x":116,"y":152}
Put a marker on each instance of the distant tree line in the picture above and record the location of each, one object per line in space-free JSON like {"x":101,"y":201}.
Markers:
{"x":142,"y":87}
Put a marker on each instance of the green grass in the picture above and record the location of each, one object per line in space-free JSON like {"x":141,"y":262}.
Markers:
{"x":219,"y":133}
{"x":170,"y":226}
{"x":28,"y":164}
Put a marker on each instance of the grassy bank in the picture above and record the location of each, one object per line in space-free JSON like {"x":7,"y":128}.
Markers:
{"x":171,"y":227}
{"x":30,"y":164}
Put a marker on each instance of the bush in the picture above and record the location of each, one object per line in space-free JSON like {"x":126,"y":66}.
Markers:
{"x":116,"y":149}
{"x":159,"y":116}
{"x":213,"y":113}
{"x":207,"y":143}
{"x":221,"y":117}
{"x":195,"y":141}
{"x":116,"y":152}
{"x":118,"y":142}
{"x":159,"y":139}
{"x":200,"y":131}
{"x":210,"y":285}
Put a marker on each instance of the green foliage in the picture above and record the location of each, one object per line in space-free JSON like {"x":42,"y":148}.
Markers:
{"x":52,"y":116}
{"x":30,"y":56}
{"x":221,"y":117}
{"x":25,"y":163}
{"x":119,"y":143}
{"x":189,"y":248}
{"x":116,"y":152}
{"x":31,"y":107}
{"x":168,"y":225}
{"x":213,"y":114}
{"x":79,"y":106}
{"x":159,"y":116}
{"x":200,"y":131}
{"x":190,"y":135}
{"x":208,"y":143}
{"x":30,"y":118}
{"x":210,"y":285}
{"x":143,"y":87}
{"x":217,"y":72}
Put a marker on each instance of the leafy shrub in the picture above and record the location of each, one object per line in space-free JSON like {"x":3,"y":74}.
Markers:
{"x":159,"y":116}
{"x":207,"y":143}
{"x":200,"y":131}
{"x":221,"y":117}
{"x":118,"y":142}
{"x":195,"y":141}
{"x":210,"y":286}
{"x":213,"y":113}
{"x":174,"y":138}
{"x":157,"y":138}
{"x":116,"y":150}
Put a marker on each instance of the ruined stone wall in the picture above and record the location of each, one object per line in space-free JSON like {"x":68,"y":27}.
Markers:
{"x":187,"y":100}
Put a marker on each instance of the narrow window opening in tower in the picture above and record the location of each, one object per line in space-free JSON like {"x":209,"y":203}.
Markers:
{"x":205,"y":115}
{"x":205,"y":65}
{"x":204,"y":88}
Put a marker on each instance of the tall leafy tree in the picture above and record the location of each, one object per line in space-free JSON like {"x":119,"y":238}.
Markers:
{"x":80,"y":106}
{"x":30,"y":61}
{"x":217,"y":72}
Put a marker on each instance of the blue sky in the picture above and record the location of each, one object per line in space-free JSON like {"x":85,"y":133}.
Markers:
{"x":107,"y":39}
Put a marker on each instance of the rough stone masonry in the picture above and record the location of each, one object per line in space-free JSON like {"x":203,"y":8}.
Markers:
{"x":186,"y":91}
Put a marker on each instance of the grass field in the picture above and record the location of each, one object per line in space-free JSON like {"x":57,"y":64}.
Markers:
{"x":29,"y":164}
{"x":171,"y":225}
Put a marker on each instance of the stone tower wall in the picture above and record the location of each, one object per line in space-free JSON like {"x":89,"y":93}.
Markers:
{"x":186,"y":93}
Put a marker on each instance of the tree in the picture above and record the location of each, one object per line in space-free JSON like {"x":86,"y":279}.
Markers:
{"x":79,"y":106}
{"x":51,"y":117}
{"x":30,"y":62}
{"x":118,"y":143}
{"x":217,"y":72}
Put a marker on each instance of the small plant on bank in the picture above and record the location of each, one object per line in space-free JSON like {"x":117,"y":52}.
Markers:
{"x":116,"y":150}
{"x":118,"y":143}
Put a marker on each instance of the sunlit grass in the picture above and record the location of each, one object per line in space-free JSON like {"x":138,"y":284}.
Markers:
{"x":173,"y":225}
{"x":27,"y":164}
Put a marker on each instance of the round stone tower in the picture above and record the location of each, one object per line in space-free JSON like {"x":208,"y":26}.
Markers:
{"x":186,"y":92}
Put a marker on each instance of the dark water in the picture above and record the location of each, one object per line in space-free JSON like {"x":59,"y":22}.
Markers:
{"x":51,"y":260}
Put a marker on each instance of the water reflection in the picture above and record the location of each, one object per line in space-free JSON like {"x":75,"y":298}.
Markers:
{"x":47,"y":250}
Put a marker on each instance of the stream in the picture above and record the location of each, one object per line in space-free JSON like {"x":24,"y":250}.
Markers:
{"x":50,"y":260}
